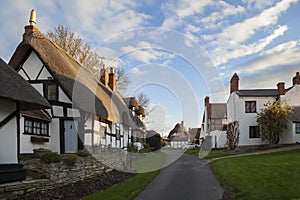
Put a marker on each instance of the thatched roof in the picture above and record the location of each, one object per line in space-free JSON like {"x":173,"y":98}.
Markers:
{"x":131,"y":102}
{"x":14,"y":87}
{"x":141,"y":111}
{"x":86,"y":93}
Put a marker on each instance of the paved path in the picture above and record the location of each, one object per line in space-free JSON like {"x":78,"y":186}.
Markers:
{"x":287,"y":148}
{"x":188,"y":178}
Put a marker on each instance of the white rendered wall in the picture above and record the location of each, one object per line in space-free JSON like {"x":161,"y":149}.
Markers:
{"x":292,"y":96}
{"x":219,"y":139}
{"x":8,"y":134}
{"x":26,"y":146}
{"x":236,"y":112}
{"x":54,"y":135}
{"x":32,"y":66}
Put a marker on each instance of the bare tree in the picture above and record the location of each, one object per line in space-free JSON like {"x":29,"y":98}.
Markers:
{"x":74,"y":45}
{"x":122,"y":79}
{"x":142,"y":100}
{"x":233,"y":135}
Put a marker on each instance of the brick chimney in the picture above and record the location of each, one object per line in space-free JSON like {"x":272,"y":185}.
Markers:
{"x":112,"y":79}
{"x":296,"y":79}
{"x":206,"y":101}
{"x":234,"y":83}
{"x":104,"y":76}
{"x":31,"y":28}
{"x":281,"y":89}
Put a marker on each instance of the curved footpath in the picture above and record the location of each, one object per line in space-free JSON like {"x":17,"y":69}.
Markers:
{"x":287,"y":148}
{"x":187,"y":178}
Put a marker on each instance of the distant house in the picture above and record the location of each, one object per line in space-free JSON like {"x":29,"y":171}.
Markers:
{"x":16,"y":95}
{"x":178,"y":136}
{"x":243,"y":106}
{"x":84,"y":111}
{"x":214,"y":123}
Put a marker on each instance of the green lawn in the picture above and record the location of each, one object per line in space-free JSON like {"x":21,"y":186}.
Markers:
{"x":148,"y":162}
{"x":130,"y":188}
{"x":265,"y":176}
{"x":126,"y":190}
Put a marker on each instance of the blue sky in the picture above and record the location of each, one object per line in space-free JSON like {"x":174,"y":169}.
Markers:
{"x":175,"y":51}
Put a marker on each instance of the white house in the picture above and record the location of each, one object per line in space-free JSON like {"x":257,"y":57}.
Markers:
{"x":178,"y":136}
{"x":214,"y":124}
{"x":84,"y":111}
{"x":243,"y":106}
{"x":16,"y":95}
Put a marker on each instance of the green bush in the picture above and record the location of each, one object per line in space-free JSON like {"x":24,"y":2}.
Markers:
{"x":51,"y":157}
{"x":83,"y":153}
{"x":70,"y":159}
{"x":132,"y":148}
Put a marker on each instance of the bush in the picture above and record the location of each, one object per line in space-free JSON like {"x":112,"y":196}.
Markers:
{"x":51,"y":157}
{"x":132,"y":148}
{"x":83,"y":153}
{"x":70,"y":159}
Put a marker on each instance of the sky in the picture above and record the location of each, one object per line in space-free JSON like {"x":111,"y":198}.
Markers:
{"x":175,"y":51}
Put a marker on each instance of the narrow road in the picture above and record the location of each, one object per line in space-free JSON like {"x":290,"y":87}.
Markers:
{"x":188,"y":178}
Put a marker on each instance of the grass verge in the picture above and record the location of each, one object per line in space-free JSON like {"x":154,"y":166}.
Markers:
{"x":264,"y":176}
{"x":128,"y":189}
{"x":208,"y":155}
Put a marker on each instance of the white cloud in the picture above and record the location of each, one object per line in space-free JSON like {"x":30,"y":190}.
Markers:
{"x":282,"y":47}
{"x":230,"y":50}
{"x":242,"y":31}
{"x":259,"y":4}
{"x":286,"y":54}
{"x":187,"y":8}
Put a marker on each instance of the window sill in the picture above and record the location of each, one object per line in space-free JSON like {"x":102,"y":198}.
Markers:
{"x":37,"y":139}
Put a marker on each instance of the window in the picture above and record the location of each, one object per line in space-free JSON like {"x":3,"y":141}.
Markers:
{"x":254,"y":132}
{"x":250,"y":106}
{"x":51,"y":91}
{"x":298,"y":128}
{"x":36,"y":127}
{"x":118,"y":136}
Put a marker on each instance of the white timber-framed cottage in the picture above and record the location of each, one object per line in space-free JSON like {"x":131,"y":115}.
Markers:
{"x":16,"y":96}
{"x":85,"y":112}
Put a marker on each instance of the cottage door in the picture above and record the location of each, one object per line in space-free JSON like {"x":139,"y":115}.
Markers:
{"x":71,"y":136}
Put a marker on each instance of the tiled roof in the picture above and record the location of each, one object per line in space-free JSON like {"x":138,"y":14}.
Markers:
{"x":217,"y":110}
{"x":257,"y":93}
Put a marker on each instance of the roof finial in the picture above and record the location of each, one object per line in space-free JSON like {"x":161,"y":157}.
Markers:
{"x":32,"y":20}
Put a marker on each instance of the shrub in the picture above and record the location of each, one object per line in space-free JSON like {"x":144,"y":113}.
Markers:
{"x":83,"y":153}
{"x":38,"y":153}
{"x":51,"y":157}
{"x":70,"y":159}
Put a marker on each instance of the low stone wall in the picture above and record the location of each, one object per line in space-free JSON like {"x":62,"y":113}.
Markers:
{"x":43,"y":176}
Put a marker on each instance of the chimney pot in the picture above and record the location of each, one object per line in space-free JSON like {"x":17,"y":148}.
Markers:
{"x":296,"y":79}
{"x":234,"y":83}
{"x":104,"y":76}
{"x":206,"y":101}
{"x":281,"y":89}
{"x":112,"y":79}
{"x":32,"y":20}
{"x":31,"y":28}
